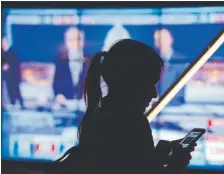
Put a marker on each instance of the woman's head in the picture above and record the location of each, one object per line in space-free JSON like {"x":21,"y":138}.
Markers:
{"x":130,"y":69}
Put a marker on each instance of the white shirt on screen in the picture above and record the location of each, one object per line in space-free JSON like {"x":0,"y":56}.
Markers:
{"x":75,"y":65}
{"x":167,"y":56}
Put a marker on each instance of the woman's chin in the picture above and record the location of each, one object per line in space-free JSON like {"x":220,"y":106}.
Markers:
{"x":147,"y":104}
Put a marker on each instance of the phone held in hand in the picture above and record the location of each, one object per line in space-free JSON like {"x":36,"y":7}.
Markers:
{"x":191,"y":138}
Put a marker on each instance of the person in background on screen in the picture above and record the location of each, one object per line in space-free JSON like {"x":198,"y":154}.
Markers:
{"x":12,"y":74}
{"x":117,"y":32}
{"x":164,"y":40}
{"x":114,"y":135}
{"x":175,"y":64}
{"x":70,"y":67}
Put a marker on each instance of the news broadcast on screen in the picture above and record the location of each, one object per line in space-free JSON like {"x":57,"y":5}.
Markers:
{"x":47,"y":55}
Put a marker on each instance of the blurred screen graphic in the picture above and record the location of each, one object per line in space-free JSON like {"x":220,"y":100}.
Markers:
{"x":47,"y":53}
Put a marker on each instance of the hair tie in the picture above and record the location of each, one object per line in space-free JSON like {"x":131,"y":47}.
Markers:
{"x":103,"y":55}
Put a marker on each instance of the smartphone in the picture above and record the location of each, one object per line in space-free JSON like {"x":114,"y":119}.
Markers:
{"x":191,"y":137}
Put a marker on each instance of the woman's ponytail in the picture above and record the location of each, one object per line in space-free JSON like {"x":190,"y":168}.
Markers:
{"x":92,"y":89}
{"x":93,"y":94}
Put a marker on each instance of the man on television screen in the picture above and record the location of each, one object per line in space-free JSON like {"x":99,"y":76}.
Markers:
{"x":174,"y":61}
{"x":116,"y":33}
{"x":70,"y":67}
{"x":11,"y":73}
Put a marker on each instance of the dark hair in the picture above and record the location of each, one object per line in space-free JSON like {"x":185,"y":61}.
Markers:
{"x":117,"y":70}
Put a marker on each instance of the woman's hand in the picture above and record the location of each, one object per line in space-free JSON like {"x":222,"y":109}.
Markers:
{"x":180,"y":157}
{"x":175,"y":142}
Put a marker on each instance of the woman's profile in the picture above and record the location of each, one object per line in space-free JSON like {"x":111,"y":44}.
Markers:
{"x":114,"y":135}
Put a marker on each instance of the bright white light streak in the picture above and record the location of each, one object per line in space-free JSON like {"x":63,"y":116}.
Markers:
{"x":211,"y":50}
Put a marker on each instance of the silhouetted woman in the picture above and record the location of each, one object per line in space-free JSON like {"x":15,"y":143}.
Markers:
{"x":114,"y":135}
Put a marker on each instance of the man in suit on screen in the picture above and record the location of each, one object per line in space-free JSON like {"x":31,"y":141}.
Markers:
{"x":70,"y":67}
{"x":175,"y":64}
{"x":11,"y":73}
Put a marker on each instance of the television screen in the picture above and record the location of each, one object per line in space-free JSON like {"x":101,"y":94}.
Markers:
{"x":47,"y":53}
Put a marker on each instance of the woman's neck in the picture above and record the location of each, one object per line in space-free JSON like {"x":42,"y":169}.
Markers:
{"x":120,"y":103}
